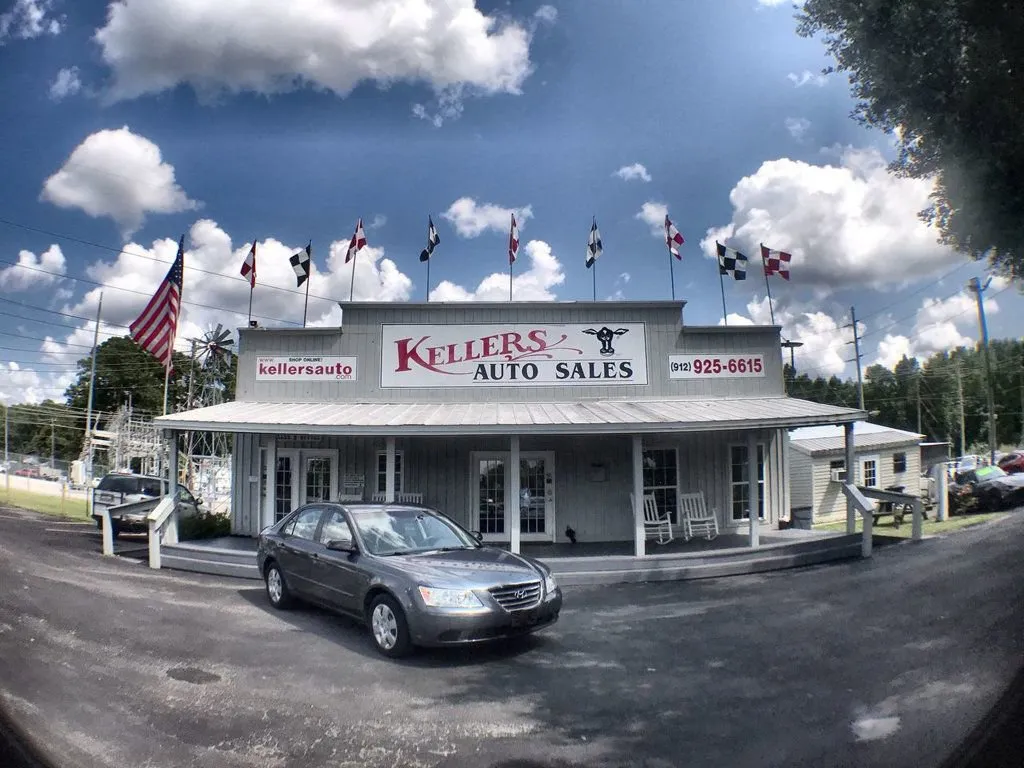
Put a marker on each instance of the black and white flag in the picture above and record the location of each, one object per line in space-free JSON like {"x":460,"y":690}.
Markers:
{"x":433,"y":239}
{"x":731,"y":262}
{"x":594,"y":247}
{"x":300,"y":263}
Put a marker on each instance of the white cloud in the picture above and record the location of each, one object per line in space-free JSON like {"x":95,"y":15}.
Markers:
{"x":535,"y":284}
{"x":269,"y":46}
{"x":472,"y":219}
{"x":653,"y":214}
{"x":798,"y":127}
{"x":379,"y":220}
{"x":28,"y":19}
{"x":847,"y":225}
{"x":25,"y":385}
{"x":940,"y":325}
{"x":119,"y":174}
{"x":619,"y":294}
{"x":66,"y":84}
{"x":27,"y":275}
{"x":773,"y":3}
{"x":807,"y":78}
{"x":547,"y":13}
{"x":634,"y":171}
{"x":446,"y":106}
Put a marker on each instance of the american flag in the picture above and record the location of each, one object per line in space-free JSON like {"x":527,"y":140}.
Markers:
{"x":731,"y":262}
{"x":249,"y":266}
{"x":357,"y":243}
{"x":775,"y":262}
{"x":594,"y":245}
{"x":155,"y":328}
{"x":513,"y":241}
{"x":673,"y":238}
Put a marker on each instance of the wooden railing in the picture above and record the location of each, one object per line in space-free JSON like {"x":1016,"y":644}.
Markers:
{"x":861,"y":497}
{"x":163,"y":521}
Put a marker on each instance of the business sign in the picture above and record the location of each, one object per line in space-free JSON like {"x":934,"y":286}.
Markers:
{"x":305,"y":368}
{"x":513,"y":355}
{"x":715,"y":366}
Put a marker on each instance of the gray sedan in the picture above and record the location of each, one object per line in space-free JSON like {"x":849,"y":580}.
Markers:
{"x":413,"y":574}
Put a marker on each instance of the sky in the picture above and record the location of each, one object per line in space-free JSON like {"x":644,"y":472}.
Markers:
{"x":128,"y":124}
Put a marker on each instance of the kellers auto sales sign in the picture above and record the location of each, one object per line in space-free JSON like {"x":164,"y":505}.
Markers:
{"x":515,"y":355}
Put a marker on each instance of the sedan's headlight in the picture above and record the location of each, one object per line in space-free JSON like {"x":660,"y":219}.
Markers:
{"x":550,"y":585}
{"x":450,"y":598}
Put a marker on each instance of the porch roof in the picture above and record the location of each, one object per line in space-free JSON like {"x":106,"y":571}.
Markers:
{"x":577,"y":418}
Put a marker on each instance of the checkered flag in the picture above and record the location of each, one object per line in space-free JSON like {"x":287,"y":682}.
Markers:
{"x":775,"y":262}
{"x":731,"y":262}
{"x":300,"y":263}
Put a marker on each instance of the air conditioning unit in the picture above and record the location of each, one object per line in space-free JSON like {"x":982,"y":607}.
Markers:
{"x":838,"y":475}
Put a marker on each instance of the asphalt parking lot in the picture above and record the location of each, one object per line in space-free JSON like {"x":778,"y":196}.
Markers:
{"x":887,"y":662}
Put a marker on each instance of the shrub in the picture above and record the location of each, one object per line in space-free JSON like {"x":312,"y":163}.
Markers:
{"x":204,"y":525}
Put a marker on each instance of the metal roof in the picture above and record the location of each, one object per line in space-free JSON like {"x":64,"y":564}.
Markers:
{"x":819,"y":440}
{"x":584,"y":417}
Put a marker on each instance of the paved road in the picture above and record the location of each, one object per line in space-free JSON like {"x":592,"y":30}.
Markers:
{"x":888,"y":662}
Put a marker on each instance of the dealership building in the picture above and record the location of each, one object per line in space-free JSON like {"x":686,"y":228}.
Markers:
{"x":528,"y":422}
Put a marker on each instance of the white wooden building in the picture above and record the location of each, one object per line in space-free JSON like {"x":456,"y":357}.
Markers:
{"x":885,"y":458}
{"x":520,"y":420}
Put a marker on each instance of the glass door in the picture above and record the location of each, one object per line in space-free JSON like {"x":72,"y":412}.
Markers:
{"x":319,"y":480}
{"x":285,"y":484}
{"x":489,"y":491}
{"x":537,"y":496}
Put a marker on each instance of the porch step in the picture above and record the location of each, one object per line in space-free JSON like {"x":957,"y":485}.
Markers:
{"x":214,"y":560}
{"x":687,"y":568}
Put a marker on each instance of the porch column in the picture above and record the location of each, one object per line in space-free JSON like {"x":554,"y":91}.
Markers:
{"x":851,"y":476}
{"x":171,"y":536}
{"x":753,"y":490}
{"x":513,"y":510}
{"x":389,"y":469}
{"x":639,"y":536}
{"x":269,"y":500}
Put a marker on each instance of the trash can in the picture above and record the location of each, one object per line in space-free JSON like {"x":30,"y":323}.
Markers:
{"x":801,"y":518}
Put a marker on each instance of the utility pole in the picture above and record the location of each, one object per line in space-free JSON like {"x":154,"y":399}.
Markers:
{"x":53,"y":443}
{"x":7,"y":420}
{"x":978,"y":290}
{"x":960,"y":401}
{"x":857,"y":356}
{"x":918,"y":381}
{"x":92,"y":388}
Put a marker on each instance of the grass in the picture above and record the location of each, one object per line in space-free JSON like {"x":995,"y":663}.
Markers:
{"x":929,"y":527}
{"x":42,"y":502}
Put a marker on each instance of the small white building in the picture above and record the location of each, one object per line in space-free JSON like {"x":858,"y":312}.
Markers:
{"x":885,"y":458}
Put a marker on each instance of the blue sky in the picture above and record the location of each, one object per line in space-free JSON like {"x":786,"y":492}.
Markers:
{"x":130,"y":123}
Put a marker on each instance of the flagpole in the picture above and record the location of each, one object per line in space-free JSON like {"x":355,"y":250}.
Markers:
{"x":671,"y":274}
{"x":251,"y":286}
{"x":510,"y":278}
{"x":767,"y":285}
{"x":309,"y":279}
{"x":428,"y":278}
{"x":167,"y":381}
{"x":594,"y":275}
{"x":352,"y":285}
{"x":721,"y":284}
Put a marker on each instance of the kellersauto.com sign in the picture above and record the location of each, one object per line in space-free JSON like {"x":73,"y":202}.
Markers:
{"x":305,"y":368}
{"x":519,"y":354}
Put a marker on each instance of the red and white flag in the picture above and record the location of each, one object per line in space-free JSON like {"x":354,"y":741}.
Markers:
{"x":155,"y":328}
{"x":513,"y":241}
{"x":673,"y":238}
{"x":357,"y":243}
{"x":775,"y":262}
{"x":249,"y":266}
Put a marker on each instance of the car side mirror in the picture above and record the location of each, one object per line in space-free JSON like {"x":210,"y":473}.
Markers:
{"x":477,"y":535}
{"x":342,"y":545}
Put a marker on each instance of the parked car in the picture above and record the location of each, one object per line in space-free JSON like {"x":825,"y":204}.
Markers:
{"x":121,"y":488}
{"x":1012,"y":462}
{"x":990,"y":487}
{"x":415,"y":576}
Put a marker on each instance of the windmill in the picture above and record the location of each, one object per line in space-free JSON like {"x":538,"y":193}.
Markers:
{"x":212,"y":355}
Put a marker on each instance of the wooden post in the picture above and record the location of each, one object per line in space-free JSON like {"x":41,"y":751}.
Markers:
{"x":513,"y":510}
{"x":753,"y":490}
{"x":851,"y":476}
{"x":639,"y":536}
{"x":389,"y":469}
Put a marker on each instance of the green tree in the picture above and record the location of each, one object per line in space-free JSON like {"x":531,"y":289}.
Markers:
{"x":947,"y":78}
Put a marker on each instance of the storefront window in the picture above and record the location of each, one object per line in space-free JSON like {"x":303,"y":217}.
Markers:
{"x":283,"y":488}
{"x":661,"y":478}
{"x":739,"y":485}
{"x":382,"y":471}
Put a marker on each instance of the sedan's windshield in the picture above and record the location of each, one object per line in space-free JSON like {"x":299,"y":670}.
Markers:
{"x":405,"y":531}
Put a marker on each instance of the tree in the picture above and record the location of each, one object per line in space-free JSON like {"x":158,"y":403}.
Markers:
{"x":946,"y":77}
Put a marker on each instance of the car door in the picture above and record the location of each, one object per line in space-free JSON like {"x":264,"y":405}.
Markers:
{"x":297,"y":549}
{"x":339,"y":576}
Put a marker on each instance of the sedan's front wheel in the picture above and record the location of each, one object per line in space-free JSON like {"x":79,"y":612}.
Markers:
{"x":277,"y":589}
{"x":389,"y":628}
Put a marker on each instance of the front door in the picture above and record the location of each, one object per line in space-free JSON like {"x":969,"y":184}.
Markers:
{"x":536,"y":501}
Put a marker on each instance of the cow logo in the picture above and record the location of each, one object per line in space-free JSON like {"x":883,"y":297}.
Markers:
{"x":605,"y":336}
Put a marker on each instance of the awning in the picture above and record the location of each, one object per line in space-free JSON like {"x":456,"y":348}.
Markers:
{"x":585,"y":417}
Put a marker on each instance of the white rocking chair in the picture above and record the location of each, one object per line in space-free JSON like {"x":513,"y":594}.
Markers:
{"x":352,"y":487}
{"x":401,"y":497}
{"x":656,"y":525}
{"x":696,"y":518}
